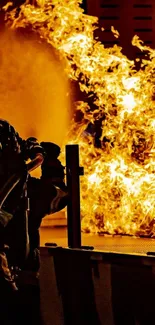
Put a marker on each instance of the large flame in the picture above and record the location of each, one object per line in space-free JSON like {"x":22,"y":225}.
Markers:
{"x":118,"y":188}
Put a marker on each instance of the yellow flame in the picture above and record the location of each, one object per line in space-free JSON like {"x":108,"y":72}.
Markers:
{"x":118,"y":188}
{"x":115,"y":32}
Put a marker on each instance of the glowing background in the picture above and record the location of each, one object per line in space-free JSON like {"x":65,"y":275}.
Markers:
{"x":34,"y":94}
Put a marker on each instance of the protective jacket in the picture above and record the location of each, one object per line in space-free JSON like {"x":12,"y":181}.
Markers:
{"x":27,"y":203}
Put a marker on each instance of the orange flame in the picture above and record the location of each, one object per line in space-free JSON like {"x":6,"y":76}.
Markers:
{"x":118,"y":188}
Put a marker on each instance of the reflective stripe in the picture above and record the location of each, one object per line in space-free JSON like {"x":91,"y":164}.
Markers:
{"x":5,"y":217}
{"x":56,"y":204}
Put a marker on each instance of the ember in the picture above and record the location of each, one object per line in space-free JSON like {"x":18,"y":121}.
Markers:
{"x":118,"y":189}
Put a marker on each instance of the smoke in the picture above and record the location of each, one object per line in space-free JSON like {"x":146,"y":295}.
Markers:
{"x":33,"y":87}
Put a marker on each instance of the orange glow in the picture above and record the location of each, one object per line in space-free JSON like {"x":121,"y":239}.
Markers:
{"x":33,"y":88}
{"x":118,"y":188}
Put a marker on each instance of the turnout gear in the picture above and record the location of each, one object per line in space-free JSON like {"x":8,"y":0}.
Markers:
{"x":22,"y":208}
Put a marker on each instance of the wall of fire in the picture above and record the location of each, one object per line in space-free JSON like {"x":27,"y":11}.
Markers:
{"x":129,"y":17}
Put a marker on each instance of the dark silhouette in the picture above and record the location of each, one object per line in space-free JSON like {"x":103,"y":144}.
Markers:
{"x":24,"y":201}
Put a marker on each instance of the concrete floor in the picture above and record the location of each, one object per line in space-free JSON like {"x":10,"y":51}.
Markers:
{"x":119,"y":244}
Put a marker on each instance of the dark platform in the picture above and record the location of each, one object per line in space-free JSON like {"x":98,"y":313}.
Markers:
{"x":111,"y":285}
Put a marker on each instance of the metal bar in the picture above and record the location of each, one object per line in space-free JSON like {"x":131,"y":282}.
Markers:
{"x":73,"y":172}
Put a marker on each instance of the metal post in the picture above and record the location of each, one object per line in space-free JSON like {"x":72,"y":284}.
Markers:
{"x":73,"y":171}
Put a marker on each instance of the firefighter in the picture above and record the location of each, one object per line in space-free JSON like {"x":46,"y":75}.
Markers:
{"x":24,"y":201}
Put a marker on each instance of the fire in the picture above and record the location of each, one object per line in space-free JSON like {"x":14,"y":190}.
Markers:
{"x":118,"y":188}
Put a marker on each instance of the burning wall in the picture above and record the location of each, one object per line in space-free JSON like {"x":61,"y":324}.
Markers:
{"x":118,"y":188}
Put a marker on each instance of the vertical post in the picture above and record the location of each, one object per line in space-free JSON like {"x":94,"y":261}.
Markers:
{"x":73,"y":184}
